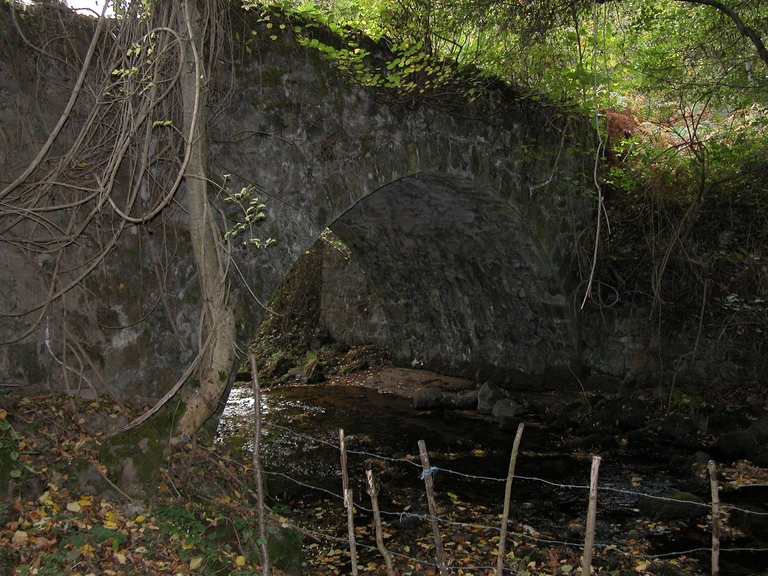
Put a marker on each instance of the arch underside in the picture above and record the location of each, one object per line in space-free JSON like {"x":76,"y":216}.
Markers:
{"x":463,"y":285}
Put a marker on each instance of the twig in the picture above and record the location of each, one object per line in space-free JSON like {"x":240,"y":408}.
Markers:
{"x":427,"y":475}
{"x":373,"y":492}
{"x":715,"y":518}
{"x":265,"y":570}
{"x":110,"y":481}
{"x":348,"y":502}
{"x":507,"y":498}
{"x":589,"y":538}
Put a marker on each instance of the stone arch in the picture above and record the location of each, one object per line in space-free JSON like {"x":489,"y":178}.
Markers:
{"x":463,"y":286}
{"x":494,"y":181}
{"x":323,"y":153}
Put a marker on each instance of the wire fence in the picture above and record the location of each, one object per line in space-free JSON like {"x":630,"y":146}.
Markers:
{"x":717,"y":512}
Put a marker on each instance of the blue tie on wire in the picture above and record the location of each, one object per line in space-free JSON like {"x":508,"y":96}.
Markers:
{"x":431,"y":472}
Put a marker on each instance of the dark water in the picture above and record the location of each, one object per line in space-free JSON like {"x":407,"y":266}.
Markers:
{"x":549,"y":491}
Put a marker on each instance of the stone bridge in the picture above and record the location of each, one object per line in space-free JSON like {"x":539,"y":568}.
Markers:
{"x":463,"y":217}
{"x":464,"y":224}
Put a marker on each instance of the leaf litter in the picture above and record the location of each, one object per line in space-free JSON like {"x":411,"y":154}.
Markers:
{"x":202,"y":520}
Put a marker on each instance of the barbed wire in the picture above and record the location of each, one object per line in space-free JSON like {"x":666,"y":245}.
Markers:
{"x":515,"y":535}
{"x":633,"y":493}
{"x":532,"y":536}
{"x":338,"y":447}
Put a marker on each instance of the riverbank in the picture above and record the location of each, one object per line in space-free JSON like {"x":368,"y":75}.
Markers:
{"x":64,"y":513}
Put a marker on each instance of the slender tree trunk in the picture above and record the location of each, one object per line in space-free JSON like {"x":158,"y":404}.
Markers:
{"x":217,"y":315}
{"x":750,"y":33}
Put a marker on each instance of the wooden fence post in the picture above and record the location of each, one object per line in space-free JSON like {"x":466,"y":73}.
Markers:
{"x":427,"y":475}
{"x":589,"y":538}
{"x":265,"y":569}
{"x":507,"y":498}
{"x":348,"y":503}
{"x":715,"y":518}
{"x":373,"y":492}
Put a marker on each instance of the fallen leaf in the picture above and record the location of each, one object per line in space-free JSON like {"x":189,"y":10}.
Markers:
{"x":43,"y":543}
{"x":19,"y":538}
{"x":88,"y":550}
{"x":195,"y":563}
{"x":73,"y":506}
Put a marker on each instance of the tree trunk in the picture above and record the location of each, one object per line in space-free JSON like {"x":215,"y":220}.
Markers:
{"x":217,"y":314}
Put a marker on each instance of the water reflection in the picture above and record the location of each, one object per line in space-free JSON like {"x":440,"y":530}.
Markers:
{"x":301,"y":427}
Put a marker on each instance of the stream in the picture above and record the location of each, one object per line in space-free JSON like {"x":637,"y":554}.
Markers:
{"x":549,"y":493}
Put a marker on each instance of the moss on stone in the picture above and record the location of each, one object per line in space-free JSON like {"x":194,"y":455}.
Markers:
{"x":271,"y":76}
{"x":25,"y":356}
{"x":134,"y":457}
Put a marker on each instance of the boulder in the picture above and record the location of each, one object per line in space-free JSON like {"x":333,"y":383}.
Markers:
{"x":724,"y":421}
{"x":676,"y":425}
{"x":429,"y":399}
{"x":692,"y":471}
{"x":674,"y":506}
{"x":631,"y":414}
{"x":321,"y":338}
{"x":505,"y":412}
{"x":88,"y":479}
{"x":760,"y":430}
{"x":602,"y":422}
{"x":509,"y":424}
{"x":755,"y":401}
{"x":691,"y":442}
{"x":736,"y":445}
{"x":506,"y":408}
{"x":466,"y":401}
{"x":316,"y":374}
{"x":281,"y":367}
{"x":762,"y":460}
{"x":487,"y":397}
{"x":575,"y":413}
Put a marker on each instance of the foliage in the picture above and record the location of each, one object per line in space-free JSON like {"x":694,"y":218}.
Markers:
{"x":685,"y":177}
{"x":250,"y":212}
{"x":369,"y":44}
{"x":677,"y":94}
{"x":10,"y":449}
{"x":64,"y":530}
